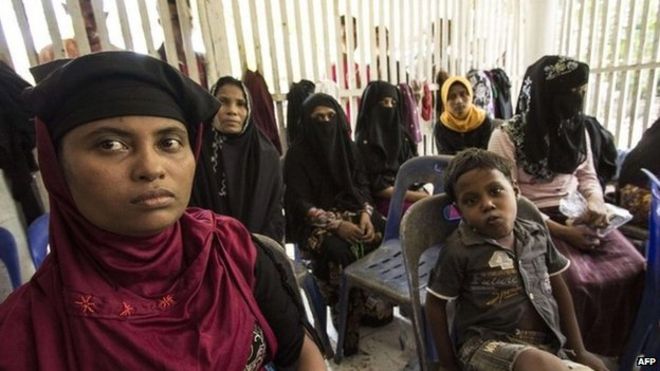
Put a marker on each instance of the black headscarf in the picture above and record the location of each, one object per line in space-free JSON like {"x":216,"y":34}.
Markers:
{"x":295,"y":97}
{"x":322,"y":168}
{"x":381,"y":136}
{"x":17,"y":140}
{"x":548,"y":129}
{"x":130,"y":84}
{"x":239,"y":175}
{"x":381,"y":128}
{"x":645,"y":155}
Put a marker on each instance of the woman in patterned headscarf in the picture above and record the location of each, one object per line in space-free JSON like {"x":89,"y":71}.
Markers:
{"x":238,"y":174}
{"x":483,"y":91}
{"x":547,"y":142}
{"x":462,"y":124}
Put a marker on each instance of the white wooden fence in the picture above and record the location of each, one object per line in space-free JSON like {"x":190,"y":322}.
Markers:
{"x":619,"y":39}
{"x":288,"y":40}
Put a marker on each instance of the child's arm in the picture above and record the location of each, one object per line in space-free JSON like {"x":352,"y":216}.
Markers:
{"x":569,"y":325}
{"x":437,"y":316}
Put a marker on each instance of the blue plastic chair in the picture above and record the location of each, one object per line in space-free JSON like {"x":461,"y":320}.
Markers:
{"x":37,"y":235}
{"x":9,"y":256}
{"x":645,"y":336}
{"x":383,"y":270}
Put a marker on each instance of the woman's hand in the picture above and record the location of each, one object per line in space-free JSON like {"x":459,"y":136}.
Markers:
{"x":349,"y":232}
{"x":581,"y":237}
{"x":368,"y":233}
{"x":589,"y":359}
{"x":596,"y":215}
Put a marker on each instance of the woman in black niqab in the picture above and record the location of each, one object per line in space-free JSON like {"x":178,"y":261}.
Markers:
{"x":383,"y":142}
{"x":238,"y":174}
{"x":328,"y":207}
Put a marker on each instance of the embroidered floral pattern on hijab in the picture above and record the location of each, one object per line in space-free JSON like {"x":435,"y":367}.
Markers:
{"x":563,"y":66}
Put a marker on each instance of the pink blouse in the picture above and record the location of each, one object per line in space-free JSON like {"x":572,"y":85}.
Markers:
{"x":548,"y":194}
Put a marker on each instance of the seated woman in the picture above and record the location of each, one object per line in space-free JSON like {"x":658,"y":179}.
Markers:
{"x":383,"y":143}
{"x":462,"y":124}
{"x":550,"y":148}
{"x":633,"y":185}
{"x":135,"y":280}
{"x":328,"y":208}
{"x":239,"y":171}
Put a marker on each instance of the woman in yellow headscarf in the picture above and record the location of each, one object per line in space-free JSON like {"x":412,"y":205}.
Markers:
{"x":462,"y":124}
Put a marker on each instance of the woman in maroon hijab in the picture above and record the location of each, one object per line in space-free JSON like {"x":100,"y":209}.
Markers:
{"x":135,"y":280}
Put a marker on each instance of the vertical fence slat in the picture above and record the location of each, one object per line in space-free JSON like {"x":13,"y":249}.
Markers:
{"x":256,"y":37}
{"x":277,"y":66}
{"x":652,"y":81}
{"x":53,"y":29}
{"x":316,"y":44}
{"x":207,"y":37}
{"x":595,"y":108}
{"x":581,"y":19}
{"x":612,"y":75}
{"x":24,"y":26}
{"x":303,"y":62}
{"x":286,"y":37}
{"x":240,"y":35}
{"x":5,"y":54}
{"x":101,"y":26}
{"x":590,"y":35}
{"x":146,"y":29}
{"x":183,"y":12}
{"x":165,"y":22}
{"x":123,"y":22}
{"x":636,"y":92}
{"x":623,"y":93}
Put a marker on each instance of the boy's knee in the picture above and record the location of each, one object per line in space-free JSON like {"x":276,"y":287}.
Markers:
{"x":538,"y":360}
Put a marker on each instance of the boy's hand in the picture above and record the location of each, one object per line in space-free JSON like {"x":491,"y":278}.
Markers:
{"x":589,"y":359}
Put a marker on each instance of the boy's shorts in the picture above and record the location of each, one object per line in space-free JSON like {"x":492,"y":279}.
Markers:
{"x":496,"y":355}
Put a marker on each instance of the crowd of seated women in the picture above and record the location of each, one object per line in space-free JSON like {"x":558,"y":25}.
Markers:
{"x":156,"y":184}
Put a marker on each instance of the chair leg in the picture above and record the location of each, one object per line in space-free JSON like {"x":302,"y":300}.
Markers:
{"x":343,"y":315}
{"x":319,"y":312}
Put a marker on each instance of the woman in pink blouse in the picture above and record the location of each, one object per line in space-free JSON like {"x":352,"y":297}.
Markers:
{"x":548,"y":144}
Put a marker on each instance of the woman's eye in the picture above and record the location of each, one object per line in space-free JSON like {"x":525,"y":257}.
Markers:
{"x":112,"y":145}
{"x":171,"y":144}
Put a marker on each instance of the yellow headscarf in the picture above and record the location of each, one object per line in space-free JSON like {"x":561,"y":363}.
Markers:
{"x":473,"y":118}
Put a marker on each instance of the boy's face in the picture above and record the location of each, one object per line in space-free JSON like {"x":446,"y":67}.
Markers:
{"x":487,"y":202}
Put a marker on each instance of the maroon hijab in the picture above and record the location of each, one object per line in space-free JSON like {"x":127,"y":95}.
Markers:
{"x":179,"y":300}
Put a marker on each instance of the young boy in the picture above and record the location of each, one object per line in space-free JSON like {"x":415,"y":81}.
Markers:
{"x":505,"y":275}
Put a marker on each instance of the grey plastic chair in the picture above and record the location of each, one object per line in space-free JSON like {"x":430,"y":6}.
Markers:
{"x":382,"y":271}
{"x":303,"y":278}
{"x":424,"y":229}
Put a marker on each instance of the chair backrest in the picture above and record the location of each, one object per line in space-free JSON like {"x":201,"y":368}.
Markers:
{"x":423,"y":169}
{"x":652,"y":256}
{"x":9,"y":256}
{"x":427,"y":224}
{"x":644,"y":337}
{"x":37,"y":235}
